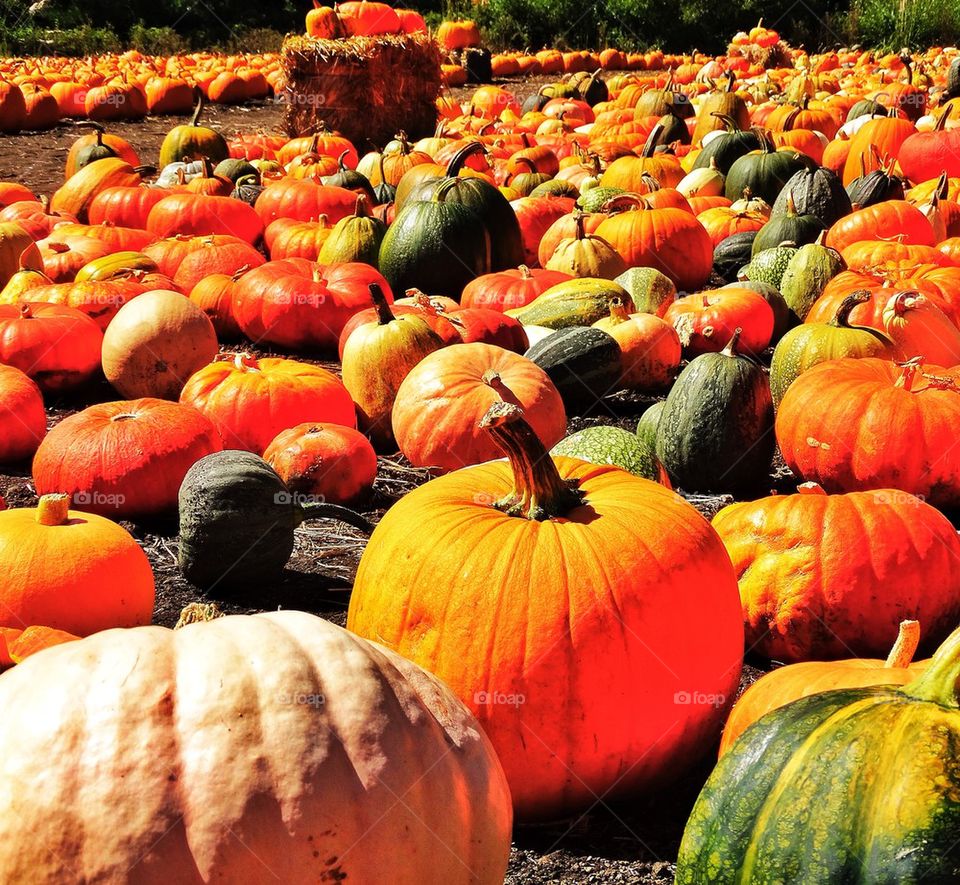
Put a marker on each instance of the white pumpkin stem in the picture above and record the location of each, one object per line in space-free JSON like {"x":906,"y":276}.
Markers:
{"x":905,"y":647}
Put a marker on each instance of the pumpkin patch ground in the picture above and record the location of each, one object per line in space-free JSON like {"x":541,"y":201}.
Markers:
{"x":561,"y":451}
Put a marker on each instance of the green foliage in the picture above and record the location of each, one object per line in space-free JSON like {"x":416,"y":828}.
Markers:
{"x":888,"y":24}
{"x":156,"y":41}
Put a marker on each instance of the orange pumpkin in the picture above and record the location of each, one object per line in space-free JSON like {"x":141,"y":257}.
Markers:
{"x":706,"y":321}
{"x":23,"y":420}
{"x":649,"y":347}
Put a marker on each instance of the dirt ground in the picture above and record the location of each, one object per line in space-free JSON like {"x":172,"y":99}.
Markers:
{"x":633,"y":842}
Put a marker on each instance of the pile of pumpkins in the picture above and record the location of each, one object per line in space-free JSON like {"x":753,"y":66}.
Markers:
{"x":567,"y":626}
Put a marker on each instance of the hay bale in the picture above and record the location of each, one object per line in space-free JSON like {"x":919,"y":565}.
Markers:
{"x":368,"y":88}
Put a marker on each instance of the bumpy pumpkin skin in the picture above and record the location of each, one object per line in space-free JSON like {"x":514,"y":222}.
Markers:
{"x":854,"y":785}
{"x":827,"y":576}
{"x":568,"y":615}
{"x":246,"y":749}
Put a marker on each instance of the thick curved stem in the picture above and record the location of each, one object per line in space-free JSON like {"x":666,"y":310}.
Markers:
{"x":905,"y":647}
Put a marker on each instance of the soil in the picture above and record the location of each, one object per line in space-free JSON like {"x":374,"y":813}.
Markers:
{"x":624,"y":842}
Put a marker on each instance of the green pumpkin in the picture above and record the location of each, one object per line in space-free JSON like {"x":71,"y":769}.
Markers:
{"x":816,"y":191}
{"x":875,"y":187}
{"x":672,"y":128}
{"x":236,"y":511}
{"x":647,"y":427}
{"x":354,"y":238}
{"x":494,"y":210}
{"x":765,"y":172}
{"x":589,"y":87}
{"x":726,"y":149}
{"x":768,"y":266}
{"x":527,"y":182}
{"x":605,"y":444}
{"x":649,"y":289}
{"x":790,"y":227}
{"x":191,"y":141}
{"x":349,"y":179}
{"x":733,"y":253}
{"x":583,"y":364}
{"x":806,"y":275}
{"x":235,"y":169}
{"x":435,"y":245}
{"x":578,"y":302}
{"x":809,"y":344}
{"x":96,"y":151}
{"x":848,"y":786}
{"x":657,"y":102}
{"x":555,"y":187}
{"x":716,"y":430}
{"x":594,"y":199}
{"x":866,"y":107}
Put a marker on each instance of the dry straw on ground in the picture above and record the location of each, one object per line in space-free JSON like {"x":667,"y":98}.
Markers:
{"x":368,"y":88}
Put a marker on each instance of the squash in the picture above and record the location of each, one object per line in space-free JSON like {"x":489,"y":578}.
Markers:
{"x":250,"y":401}
{"x":765,"y":172}
{"x":733,"y":253}
{"x":376,"y":358}
{"x":329,"y":462}
{"x":650,"y":290}
{"x":187,"y":142}
{"x":441,"y":401}
{"x":124,"y":459}
{"x":586,"y":256}
{"x":237,"y":521}
{"x":714,"y":433}
{"x":788,"y":227}
{"x":605,"y":444}
{"x":918,"y":327}
{"x":583,"y":363}
{"x":769,"y":266}
{"x":155,"y":343}
{"x":649,"y":347}
{"x":354,"y":238}
{"x":810,"y":344}
{"x":18,"y":252}
{"x":786,"y":684}
{"x":23,"y":420}
{"x":647,"y":427}
{"x":705,"y":322}
{"x":815,"y":191}
{"x":72,"y":571}
{"x":240,"y":745}
{"x":534,"y":566}
{"x":725,"y":149}
{"x":809,"y":762}
{"x":571,"y":303}
{"x":807,"y":272}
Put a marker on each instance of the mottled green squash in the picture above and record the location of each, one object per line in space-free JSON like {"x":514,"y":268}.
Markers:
{"x":605,"y":444}
{"x":583,"y":363}
{"x":572,"y":303}
{"x":807,"y":345}
{"x":818,"y":192}
{"x":768,"y":266}
{"x":806,"y":275}
{"x":788,"y":227}
{"x":650,"y":290}
{"x":593,"y":199}
{"x":647,"y":427}
{"x":716,"y":429}
{"x":849,"y":786}
{"x":237,"y":521}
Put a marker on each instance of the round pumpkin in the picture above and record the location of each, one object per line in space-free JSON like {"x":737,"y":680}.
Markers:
{"x":250,"y":401}
{"x":281,"y":749}
{"x":23,"y":421}
{"x":328,"y":462}
{"x":530,"y":570}
{"x":649,"y":347}
{"x":72,"y":571}
{"x":706,"y":321}
{"x":155,"y":343}
{"x":124,"y":459}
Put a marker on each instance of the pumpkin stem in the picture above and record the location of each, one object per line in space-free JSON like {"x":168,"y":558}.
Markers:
{"x":618,"y":310}
{"x":525,"y":272}
{"x":198,"y":613}
{"x":842,"y":316}
{"x":384,"y":314}
{"x":731,"y":348}
{"x":53,"y":509}
{"x":322,"y":510}
{"x":198,"y":110}
{"x":938,"y":683}
{"x":905,"y":647}
{"x":904,"y":301}
{"x":539,"y":492}
{"x":461,"y":157}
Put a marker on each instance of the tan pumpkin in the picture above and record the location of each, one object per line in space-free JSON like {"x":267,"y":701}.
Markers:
{"x":155,"y":343}
{"x":586,"y":255}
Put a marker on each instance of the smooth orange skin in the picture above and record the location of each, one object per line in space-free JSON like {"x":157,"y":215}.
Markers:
{"x":711,"y":318}
{"x":569,"y":615}
{"x":337,"y":464}
{"x":81,"y":577}
{"x":241,"y":750}
{"x":650,"y":350}
{"x":23,"y":420}
{"x":868,"y":433}
{"x":885,"y":220}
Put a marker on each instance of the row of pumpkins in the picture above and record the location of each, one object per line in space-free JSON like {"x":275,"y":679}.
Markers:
{"x":570,"y":627}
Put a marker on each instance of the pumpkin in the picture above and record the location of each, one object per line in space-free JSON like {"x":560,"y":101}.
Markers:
{"x":98,"y":300}
{"x":876,"y":139}
{"x":155,"y":343}
{"x":924,"y":155}
{"x":17,"y":252}
{"x":649,"y":347}
{"x":764,"y":172}
{"x":583,"y":362}
{"x":806,"y":762}
{"x":23,"y":421}
{"x":97,"y":146}
{"x":489,"y":326}
{"x":186,"y":142}
{"x":214,"y":296}
{"x":718,"y":106}
{"x":911,"y":407}
{"x":64,"y":256}
{"x":510,"y":289}
{"x":818,"y":192}
{"x":77,"y":193}
{"x":892,"y":218}
{"x":624,"y":552}
{"x":235,"y":510}
{"x":787,"y":227}
{"x":328,"y":462}
{"x":706,"y":322}
{"x":441,"y":401}
{"x":250,"y":401}
{"x":354,"y":238}
{"x":536,"y":215}
{"x":806,"y":275}
{"x":586,"y":255}
{"x":298,"y":304}
{"x":123,"y":459}
{"x":786,"y":684}
{"x":650,"y":290}
{"x":571,"y":303}
{"x":810,"y":344}
{"x":277,"y":707}
{"x":215,"y":254}
{"x":918,"y":327}
{"x":377,"y":357}
{"x":71,"y":571}
{"x":20,"y":644}
{"x":725,"y":149}
{"x":59,"y":347}
{"x":604,"y":444}
{"x":202,"y":215}
{"x":304,"y":200}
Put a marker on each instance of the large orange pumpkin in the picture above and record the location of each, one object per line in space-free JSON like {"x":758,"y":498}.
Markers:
{"x":856,"y":424}
{"x":250,"y":401}
{"x":542,"y":595}
{"x":23,"y":421}
{"x":889,"y":219}
{"x":706,"y":321}
{"x":245,"y":749}
{"x":73,"y":571}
